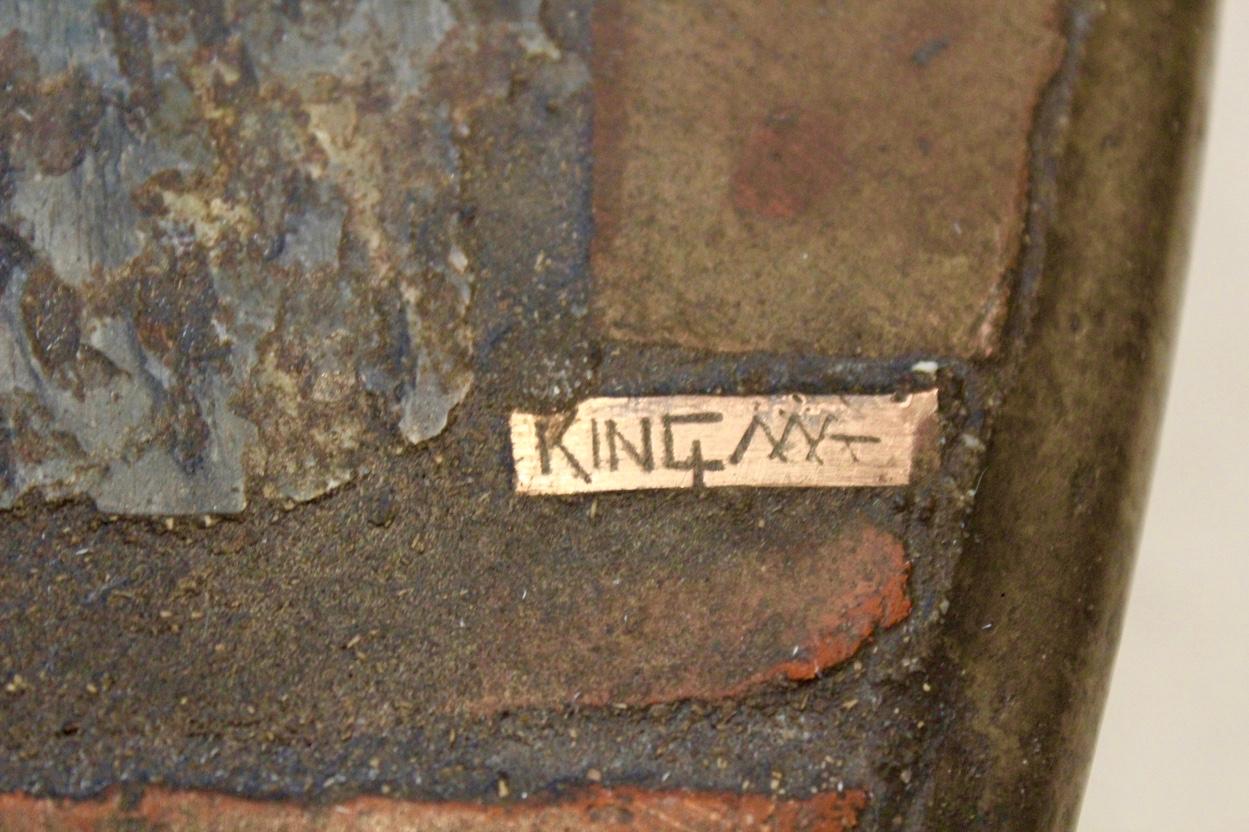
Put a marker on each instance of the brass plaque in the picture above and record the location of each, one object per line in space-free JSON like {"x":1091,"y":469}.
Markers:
{"x":631,"y":444}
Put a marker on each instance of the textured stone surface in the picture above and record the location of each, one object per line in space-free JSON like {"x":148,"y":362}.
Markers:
{"x":841,"y":178}
{"x":737,"y":626}
{"x":486,"y":657}
{"x":427,"y":629}
{"x":231,"y":257}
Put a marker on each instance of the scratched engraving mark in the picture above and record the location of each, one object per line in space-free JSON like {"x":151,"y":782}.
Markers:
{"x":631,"y":444}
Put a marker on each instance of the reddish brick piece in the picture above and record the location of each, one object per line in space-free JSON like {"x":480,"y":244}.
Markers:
{"x":785,"y":164}
{"x":594,"y":810}
{"x":746,"y":621}
{"x":868,"y":603}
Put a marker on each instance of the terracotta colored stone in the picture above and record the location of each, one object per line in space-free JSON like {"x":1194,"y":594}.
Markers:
{"x":783,"y":166}
{"x":843,"y":178}
{"x":594,"y":810}
{"x":741,"y":624}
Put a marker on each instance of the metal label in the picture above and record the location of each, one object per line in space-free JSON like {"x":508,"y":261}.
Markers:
{"x":631,"y":444}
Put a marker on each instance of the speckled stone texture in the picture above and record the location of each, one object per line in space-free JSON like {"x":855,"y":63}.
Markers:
{"x":230,"y":244}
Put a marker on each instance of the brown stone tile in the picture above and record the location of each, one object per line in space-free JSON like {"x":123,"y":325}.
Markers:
{"x":838,"y":178}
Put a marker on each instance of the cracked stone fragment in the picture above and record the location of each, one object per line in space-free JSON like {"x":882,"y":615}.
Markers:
{"x":231,"y":254}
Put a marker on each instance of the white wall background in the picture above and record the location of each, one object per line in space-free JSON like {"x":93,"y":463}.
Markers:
{"x":1173,"y":753}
